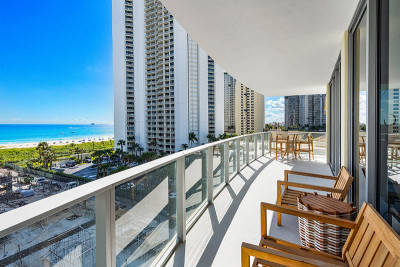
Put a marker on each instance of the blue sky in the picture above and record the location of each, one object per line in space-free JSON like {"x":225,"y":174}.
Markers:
{"x":274,"y":109}
{"x":56,"y":62}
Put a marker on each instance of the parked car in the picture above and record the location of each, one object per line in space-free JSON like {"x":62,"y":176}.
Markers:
{"x":58,"y":169}
{"x":26,"y":193}
{"x":39,"y":180}
{"x":70,"y":163}
{"x":71,"y":185}
{"x":92,"y":177}
{"x":62,"y":165}
{"x":88,"y":160}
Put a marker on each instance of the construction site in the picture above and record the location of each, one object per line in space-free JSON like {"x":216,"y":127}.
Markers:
{"x":64,"y":239}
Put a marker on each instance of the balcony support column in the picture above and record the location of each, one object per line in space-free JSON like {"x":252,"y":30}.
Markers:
{"x":105,"y":228}
{"x":180,"y":199}
{"x":237,"y":155}
{"x":262,"y":144}
{"x":255,"y":146}
{"x":226,"y":162}
{"x":210,"y":173}
{"x":247,"y":150}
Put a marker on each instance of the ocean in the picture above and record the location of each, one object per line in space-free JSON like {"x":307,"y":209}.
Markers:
{"x":29,"y":133}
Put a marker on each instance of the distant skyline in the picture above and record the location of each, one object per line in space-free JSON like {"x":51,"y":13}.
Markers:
{"x":275,"y":108}
{"x":56,"y":62}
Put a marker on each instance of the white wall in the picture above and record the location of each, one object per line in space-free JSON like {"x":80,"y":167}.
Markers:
{"x":118,"y":34}
{"x":139,"y":65}
{"x":203,"y":94}
{"x":219,"y":99}
{"x":180,"y":86}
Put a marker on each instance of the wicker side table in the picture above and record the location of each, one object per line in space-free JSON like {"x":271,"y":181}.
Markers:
{"x":322,"y":236}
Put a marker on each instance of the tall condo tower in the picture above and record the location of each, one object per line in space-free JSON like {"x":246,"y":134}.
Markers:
{"x":244,"y":109}
{"x":301,"y":110}
{"x":165,"y":85}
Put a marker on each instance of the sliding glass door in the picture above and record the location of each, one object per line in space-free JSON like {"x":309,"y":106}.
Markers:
{"x":334,"y":121}
{"x":389,"y":92}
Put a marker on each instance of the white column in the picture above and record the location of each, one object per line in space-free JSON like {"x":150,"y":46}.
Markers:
{"x":262,"y":144}
{"x":247,"y":149}
{"x":180,"y":199}
{"x":210,"y":174}
{"x":226,"y":161}
{"x":238,"y":155}
{"x":255,"y":146}
{"x":105,"y":228}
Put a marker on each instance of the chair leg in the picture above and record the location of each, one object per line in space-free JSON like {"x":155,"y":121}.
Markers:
{"x":279,"y":202}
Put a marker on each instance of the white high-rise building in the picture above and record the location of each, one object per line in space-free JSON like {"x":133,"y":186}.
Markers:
{"x":165,"y":85}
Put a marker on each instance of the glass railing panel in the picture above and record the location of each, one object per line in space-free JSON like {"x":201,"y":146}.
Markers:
{"x":252,"y":147}
{"x":232,"y":159}
{"x":242,"y":152}
{"x":259,"y":145}
{"x":145,"y":216}
{"x":67,"y":238}
{"x":195,"y":181}
{"x":266,"y":143}
{"x":218,"y":166}
{"x":319,"y":143}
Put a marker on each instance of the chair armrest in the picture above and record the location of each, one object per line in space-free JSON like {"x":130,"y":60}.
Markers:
{"x":310,"y":186}
{"x":313,"y":175}
{"x":299,"y":213}
{"x":275,"y":256}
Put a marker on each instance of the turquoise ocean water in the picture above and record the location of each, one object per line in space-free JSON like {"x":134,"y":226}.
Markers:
{"x":28,"y":133}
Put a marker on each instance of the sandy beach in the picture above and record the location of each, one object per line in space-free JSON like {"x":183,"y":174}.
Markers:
{"x":59,"y":142}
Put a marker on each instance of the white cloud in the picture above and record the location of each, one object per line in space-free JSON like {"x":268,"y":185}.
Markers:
{"x":363,"y":107}
{"x":274,"y":109}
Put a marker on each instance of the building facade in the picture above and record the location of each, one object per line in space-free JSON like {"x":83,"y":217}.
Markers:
{"x":305,"y":111}
{"x":163,"y":81}
{"x":229,"y":103}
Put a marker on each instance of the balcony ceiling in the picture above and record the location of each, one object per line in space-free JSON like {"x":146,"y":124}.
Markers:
{"x":276,"y":47}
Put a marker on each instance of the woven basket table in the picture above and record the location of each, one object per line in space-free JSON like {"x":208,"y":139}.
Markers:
{"x":322,"y":236}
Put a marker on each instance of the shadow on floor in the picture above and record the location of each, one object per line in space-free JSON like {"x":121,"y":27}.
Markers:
{"x":220,"y":228}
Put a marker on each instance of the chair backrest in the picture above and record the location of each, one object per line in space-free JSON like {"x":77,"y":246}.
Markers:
{"x":273,"y":135}
{"x":373,"y":242}
{"x":343,"y":182}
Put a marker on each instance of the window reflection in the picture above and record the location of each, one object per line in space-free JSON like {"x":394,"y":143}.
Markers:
{"x":389,"y":178}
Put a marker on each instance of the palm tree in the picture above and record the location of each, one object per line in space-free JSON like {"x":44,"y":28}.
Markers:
{"x":153,"y":144}
{"x":140,"y":150}
{"x":184,"y":146}
{"x":104,"y":144}
{"x":223,"y":136}
{"x":42,"y":147}
{"x":121,"y":143}
{"x":192,"y":138}
{"x":211,"y":138}
{"x":132,"y":140}
{"x":93,"y":145}
{"x":135,"y":146}
{"x":51,"y":157}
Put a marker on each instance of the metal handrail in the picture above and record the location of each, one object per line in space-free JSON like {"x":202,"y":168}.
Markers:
{"x":26,"y":215}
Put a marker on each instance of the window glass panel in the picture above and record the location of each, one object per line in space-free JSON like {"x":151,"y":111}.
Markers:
{"x":145,"y":216}
{"x":195,"y":181}
{"x":389,"y":166}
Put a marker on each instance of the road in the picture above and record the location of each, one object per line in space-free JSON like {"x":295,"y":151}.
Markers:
{"x":81,"y":170}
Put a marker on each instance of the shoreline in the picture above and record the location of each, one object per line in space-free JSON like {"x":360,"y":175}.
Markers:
{"x":57,"y":142}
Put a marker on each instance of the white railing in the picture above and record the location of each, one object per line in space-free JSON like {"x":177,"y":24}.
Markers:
{"x":135,"y":217}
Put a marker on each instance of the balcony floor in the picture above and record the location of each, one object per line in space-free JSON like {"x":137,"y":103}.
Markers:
{"x":234,"y":217}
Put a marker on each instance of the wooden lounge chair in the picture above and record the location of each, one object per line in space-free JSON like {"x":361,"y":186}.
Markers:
{"x":371,"y":242}
{"x":289,"y":196}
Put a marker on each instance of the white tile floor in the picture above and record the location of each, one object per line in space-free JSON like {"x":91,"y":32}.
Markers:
{"x":234,"y":217}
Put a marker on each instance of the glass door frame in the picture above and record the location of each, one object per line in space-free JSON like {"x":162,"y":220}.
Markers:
{"x":353,"y":104}
{"x":334,"y":157}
